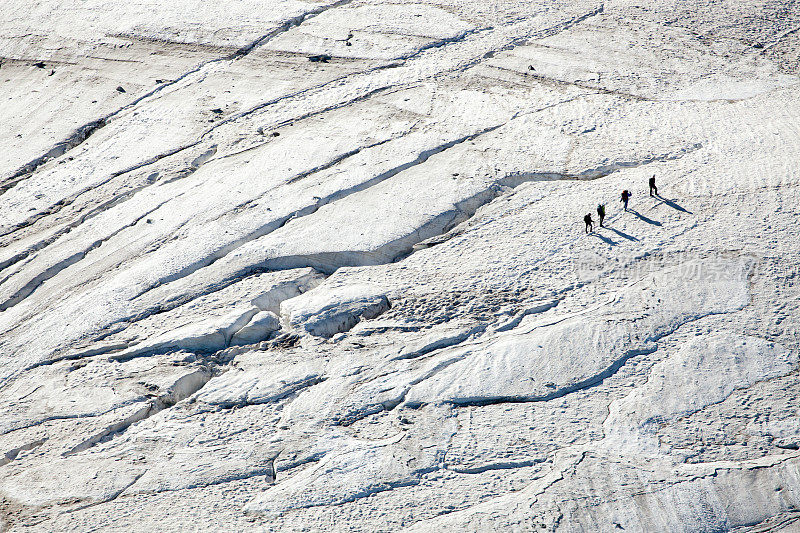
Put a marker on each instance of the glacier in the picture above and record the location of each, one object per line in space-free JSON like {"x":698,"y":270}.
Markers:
{"x":320,"y":265}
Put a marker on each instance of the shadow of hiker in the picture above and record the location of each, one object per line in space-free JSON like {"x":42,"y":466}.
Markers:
{"x":642,"y":217}
{"x":604,"y":239}
{"x":673,"y":205}
{"x":623,"y":234}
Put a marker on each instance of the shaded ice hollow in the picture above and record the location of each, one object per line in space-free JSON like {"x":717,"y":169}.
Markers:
{"x":320,"y":266}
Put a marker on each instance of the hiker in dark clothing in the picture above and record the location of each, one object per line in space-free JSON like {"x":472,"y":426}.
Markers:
{"x":626,"y":195}
{"x":589,"y":222}
{"x":601,"y":212}
{"x":653,"y":188}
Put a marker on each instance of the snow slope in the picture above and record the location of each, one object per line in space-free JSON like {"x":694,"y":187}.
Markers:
{"x":321,"y":265}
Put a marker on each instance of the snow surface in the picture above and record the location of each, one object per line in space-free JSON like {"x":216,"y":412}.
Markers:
{"x":321,"y":265}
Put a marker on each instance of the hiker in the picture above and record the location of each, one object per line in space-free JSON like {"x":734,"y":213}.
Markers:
{"x":653,"y":188}
{"x":626,"y":195}
{"x":589,"y":222}
{"x":601,"y":212}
